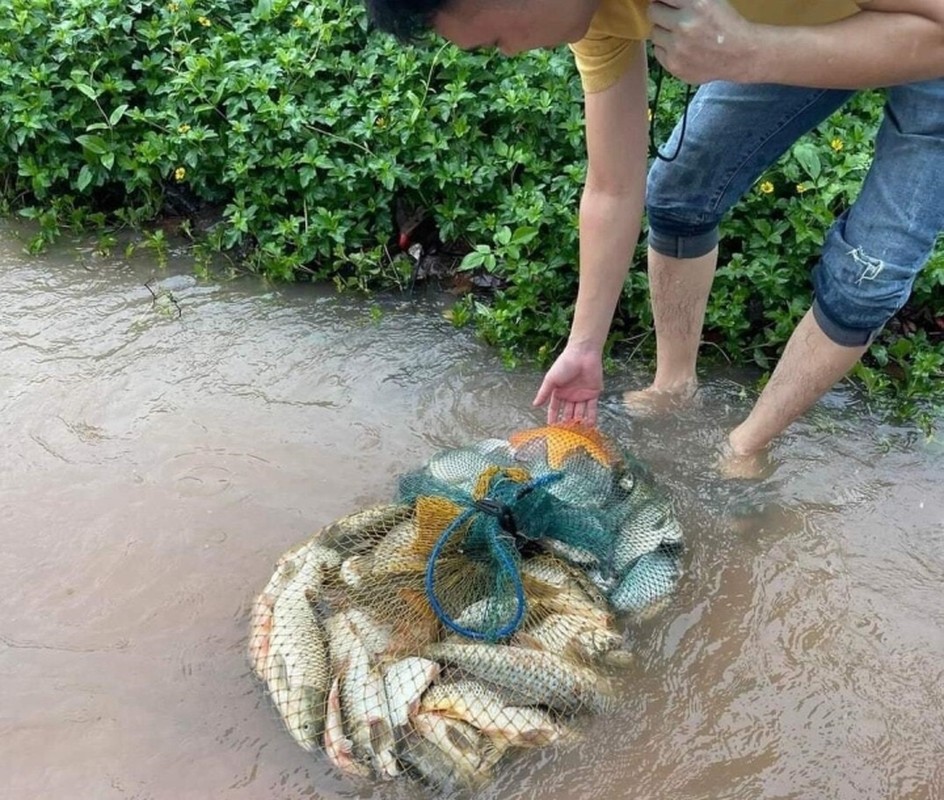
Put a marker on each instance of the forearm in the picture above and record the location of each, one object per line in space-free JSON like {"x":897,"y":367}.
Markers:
{"x":609,"y":229}
{"x":870,"y":49}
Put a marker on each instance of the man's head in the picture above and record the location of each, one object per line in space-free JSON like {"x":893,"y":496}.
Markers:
{"x":512,"y":26}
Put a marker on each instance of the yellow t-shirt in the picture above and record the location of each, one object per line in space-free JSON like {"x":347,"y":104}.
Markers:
{"x":603,"y":55}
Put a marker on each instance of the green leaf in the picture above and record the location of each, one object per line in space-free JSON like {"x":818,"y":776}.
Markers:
{"x":85,"y":178}
{"x":94,"y":144}
{"x":108,"y":159}
{"x":87,"y":90}
{"x":806,"y":154}
{"x":117,"y":114}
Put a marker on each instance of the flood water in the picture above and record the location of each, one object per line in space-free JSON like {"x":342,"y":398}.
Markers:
{"x":157,"y":456}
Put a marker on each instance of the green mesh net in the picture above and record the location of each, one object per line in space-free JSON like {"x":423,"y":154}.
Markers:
{"x":475,"y":615}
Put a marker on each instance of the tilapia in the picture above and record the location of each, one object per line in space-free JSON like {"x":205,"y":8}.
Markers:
{"x":404,"y":683}
{"x":642,"y":531}
{"x":542,"y":678}
{"x":458,"y":468}
{"x":651,"y":579}
{"x":354,"y":643}
{"x":490,"y":713}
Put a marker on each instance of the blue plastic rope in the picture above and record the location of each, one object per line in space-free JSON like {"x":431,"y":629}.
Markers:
{"x":500,"y":551}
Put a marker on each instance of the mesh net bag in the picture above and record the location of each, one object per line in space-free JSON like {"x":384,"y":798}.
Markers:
{"x":473,"y":616}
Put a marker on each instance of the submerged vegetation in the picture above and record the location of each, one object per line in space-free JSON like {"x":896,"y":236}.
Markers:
{"x":283,"y":133}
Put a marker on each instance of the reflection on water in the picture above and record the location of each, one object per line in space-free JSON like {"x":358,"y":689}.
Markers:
{"x":153,"y":464}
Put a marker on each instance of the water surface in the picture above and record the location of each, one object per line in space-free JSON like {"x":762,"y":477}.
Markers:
{"x":157,"y":456}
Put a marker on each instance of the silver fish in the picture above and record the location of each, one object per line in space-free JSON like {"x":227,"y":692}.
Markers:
{"x":358,"y":532}
{"x":541,"y":677}
{"x":363,"y":698}
{"x":338,"y":747}
{"x":299,"y":641}
{"x":573,"y":635}
{"x":405,"y":681}
{"x":651,"y":579}
{"x":489,"y":712}
{"x":461,"y":744}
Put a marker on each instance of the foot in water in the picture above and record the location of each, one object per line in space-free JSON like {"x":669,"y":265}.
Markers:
{"x":652,"y":402}
{"x":746,"y":466}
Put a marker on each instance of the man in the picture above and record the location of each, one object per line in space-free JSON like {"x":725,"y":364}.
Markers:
{"x":771,"y":70}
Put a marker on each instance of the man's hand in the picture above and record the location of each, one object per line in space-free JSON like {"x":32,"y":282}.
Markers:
{"x":702,"y":40}
{"x":572,"y":386}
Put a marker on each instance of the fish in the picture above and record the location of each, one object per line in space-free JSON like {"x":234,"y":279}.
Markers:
{"x":572,"y":635}
{"x":642,"y":531}
{"x":461,"y":744}
{"x":405,"y":681}
{"x":355,"y":641}
{"x":359,"y":532}
{"x":652,"y":578}
{"x":542,"y":678}
{"x":406,"y":548}
{"x":299,"y":641}
{"x":260,"y":629}
{"x":458,"y":468}
{"x":573,"y":592}
{"x":497,"y":451}
{"x":487,"y":613}
{"x":262,"y":612}
{"x":338,"y":747}
{"x":489,"y":712}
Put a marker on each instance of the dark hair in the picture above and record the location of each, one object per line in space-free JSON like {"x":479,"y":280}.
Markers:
{"x":405,"y":19}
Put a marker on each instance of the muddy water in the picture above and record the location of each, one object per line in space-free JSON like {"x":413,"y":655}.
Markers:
{"x":156,"y":456}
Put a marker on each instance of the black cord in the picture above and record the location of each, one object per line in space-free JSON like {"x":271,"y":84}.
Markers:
{"x":654,"y":151}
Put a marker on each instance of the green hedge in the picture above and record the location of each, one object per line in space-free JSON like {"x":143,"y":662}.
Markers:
{"x":301,"y":130}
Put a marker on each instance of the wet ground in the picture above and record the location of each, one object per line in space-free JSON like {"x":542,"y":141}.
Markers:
{"x":157,"y":456}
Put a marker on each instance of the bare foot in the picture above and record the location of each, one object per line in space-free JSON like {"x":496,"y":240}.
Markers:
{"x":654,"y":402}
{"x":749,"y":466}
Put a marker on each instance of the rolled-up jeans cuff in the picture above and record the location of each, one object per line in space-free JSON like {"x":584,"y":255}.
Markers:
{"x":690,"y":246}
{"x":841,"y":335}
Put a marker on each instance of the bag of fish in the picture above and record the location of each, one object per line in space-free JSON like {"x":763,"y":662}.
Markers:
{"x":472,"y":617}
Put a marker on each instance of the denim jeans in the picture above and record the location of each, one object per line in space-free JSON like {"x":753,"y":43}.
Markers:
{"x":872,"y":252}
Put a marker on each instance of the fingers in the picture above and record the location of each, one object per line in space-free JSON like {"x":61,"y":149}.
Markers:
{"x":543,"y":394}
{"x":565,"y":410}
{"x":553,"y":409}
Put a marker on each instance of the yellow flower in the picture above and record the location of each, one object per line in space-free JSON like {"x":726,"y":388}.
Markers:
{"x":204,"y":22}
{"x":179,"y":174}
{"x":185,"y":128}
{"x":649,"y":113}
{"x":836,"y":144}
{"x":801,"y":187}
{"x":381,"y":123}
{"x":173,"y":8}
{"x":298,"y":22}
{"x":766,"y":187}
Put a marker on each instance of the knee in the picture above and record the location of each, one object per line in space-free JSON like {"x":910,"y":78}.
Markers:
{"x":856,"y":292}
{"x":680,"y":225}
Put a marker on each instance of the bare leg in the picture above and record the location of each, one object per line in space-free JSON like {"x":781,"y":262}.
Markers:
{"x":679,"y":290}
{"x":811,"y":364}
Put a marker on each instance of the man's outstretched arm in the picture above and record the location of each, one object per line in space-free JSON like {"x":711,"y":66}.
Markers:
{"x":610,"y":216}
